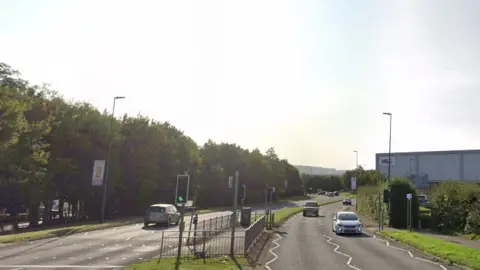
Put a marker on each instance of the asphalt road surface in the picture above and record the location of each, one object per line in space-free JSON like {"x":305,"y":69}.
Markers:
{"x":309,"y":243}
{"x":103,"y":249}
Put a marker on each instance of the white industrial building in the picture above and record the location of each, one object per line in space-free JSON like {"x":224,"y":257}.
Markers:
{"x":425,"y":168}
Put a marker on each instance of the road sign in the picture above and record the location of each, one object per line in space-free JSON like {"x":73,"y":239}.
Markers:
{"x":409,"y":196}
{"x":181,"y":193}
{"x":273,"y":189}
{"x":353,"y":183}
{"x":98,"y":172}
{"x":230,"y":181}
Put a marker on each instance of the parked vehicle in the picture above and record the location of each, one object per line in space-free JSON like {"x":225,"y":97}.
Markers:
{"x":347,"y":201}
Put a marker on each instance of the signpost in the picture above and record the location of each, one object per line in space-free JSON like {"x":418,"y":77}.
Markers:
{"x":234,"y":215}
{"x":409,"y":211}
{"x":181,"y":198}
{"x":244,"y":194}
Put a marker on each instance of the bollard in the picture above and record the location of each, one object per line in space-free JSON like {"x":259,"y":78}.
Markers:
{"x":161,"y":244}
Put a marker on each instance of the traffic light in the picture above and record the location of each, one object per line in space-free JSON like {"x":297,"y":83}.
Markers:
{"x":181,"y":194}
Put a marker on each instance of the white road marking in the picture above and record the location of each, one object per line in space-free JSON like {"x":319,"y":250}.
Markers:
{"x":129,"y":238}
{"x":61,"y":266}
{"x":338,"y":252}
{"x":271,"y":252}
{"x":16,"y":269}
{"x":387,"y":243}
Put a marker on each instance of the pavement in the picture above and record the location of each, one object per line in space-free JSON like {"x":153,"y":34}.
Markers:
{"x":309,"y":243}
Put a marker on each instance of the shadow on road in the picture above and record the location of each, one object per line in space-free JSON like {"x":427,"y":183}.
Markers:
{"x":362,"y":235}
{"x":159,"y":227}
{"x":281,"y":233}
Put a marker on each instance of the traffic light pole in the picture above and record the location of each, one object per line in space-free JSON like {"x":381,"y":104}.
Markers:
{"x":181,"y":199}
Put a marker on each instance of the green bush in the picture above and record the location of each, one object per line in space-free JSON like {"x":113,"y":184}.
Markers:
{"x":399,"y":188}
{"x":472,"y":224}
{"x":451,"y":202}
{"x":367,"y":201}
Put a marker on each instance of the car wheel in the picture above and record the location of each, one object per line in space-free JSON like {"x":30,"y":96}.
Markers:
{"x":304,"y":214}
{"x":316,"y":215}
{"x":145,"y":224}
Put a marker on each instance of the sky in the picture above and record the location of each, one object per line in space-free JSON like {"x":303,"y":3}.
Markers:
{"x":309,"y":78}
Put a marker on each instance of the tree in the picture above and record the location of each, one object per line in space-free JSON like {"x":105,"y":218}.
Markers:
{"x":48,"y":146}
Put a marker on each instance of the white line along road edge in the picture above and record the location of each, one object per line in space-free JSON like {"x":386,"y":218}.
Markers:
{"x":63,"y":266}
{"x":409,"y":253}
{"x":275,"y":256}
{"x":338,"y":252}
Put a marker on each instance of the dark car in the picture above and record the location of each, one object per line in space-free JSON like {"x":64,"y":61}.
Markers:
{"x":336,"y":193}
{"x":347,"y":201}
{"x":310,"y":209}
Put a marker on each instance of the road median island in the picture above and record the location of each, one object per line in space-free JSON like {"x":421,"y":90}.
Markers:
{"x":451,"y":252}
{"x":58,"y":232}
{"x":223,"y":263}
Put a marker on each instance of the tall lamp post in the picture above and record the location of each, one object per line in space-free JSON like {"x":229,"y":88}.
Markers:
{"x":356,"y":159}
{"x":105,"y":182}
{"x":389,"y":145}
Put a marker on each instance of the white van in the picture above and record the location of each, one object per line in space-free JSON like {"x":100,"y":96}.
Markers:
{"x":161,"y":214}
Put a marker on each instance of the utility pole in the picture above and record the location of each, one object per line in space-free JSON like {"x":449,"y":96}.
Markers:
{"x":107,"y":165}
{"x":234,"y":216}
{"x":356,"y":159}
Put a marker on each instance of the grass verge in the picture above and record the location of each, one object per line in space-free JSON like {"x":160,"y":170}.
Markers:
{"x":198,"y":264}
{"x":43,"y":234}
{"x":446,"y":250}
{"x":296,"y":198}
{"x":348,"y":195}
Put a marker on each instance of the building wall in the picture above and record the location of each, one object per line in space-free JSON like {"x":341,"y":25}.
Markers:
{"x":433,"y":166}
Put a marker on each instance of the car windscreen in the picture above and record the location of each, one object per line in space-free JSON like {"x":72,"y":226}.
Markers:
{"x":311,"y":204}
{"x":347,"y":217}
{"x":156,"y":209}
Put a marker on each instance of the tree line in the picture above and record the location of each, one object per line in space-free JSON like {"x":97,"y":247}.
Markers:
{"x":343,"y":181}
{"x":48,"y":146}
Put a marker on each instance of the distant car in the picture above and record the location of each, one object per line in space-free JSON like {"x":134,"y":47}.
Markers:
{"x":161,"y":214}
{"x":336,"y":193}
{"x":347,"y":201}
{"x":346,"y":223}
{"x":330,"y":194}
{"x":310,"y":209}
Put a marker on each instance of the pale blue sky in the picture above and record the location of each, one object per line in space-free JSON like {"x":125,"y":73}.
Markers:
{"x":310,"y":78}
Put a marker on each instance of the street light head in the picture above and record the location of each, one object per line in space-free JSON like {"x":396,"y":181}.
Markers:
{"x":119,"y":97}
{"x":355,"y":151}
{"x":387,"y":113}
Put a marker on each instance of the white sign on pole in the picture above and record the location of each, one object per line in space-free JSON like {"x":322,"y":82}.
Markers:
{"x":230,"y":181}
{"x":353,"y":183}
{"x":384,"y":161}
{"x":98,"y":172}
{"x":273,"y":189}
{"x":409,"y":196}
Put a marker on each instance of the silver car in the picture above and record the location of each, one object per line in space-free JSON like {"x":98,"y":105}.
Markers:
{"x":346,"y":223}
{"x":161,"y":214}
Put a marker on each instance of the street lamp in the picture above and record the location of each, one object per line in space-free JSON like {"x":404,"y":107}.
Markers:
{"x":389,"y":145}
{"x":105,"y":181}
{"x":356,"y":160}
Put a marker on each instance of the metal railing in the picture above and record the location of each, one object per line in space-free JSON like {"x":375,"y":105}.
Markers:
{"x":252,"y":232}
{"x":204,"y":244}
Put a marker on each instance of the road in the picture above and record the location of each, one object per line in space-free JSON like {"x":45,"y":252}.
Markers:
{"x":102,"y":249}
{"x":309,"y":243}
{"x":110,"y":248}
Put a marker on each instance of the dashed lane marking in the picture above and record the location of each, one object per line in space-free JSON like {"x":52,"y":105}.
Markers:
{"x":387,"y":243}
{"x":338,"y":252}
{"x":275,"y":256}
